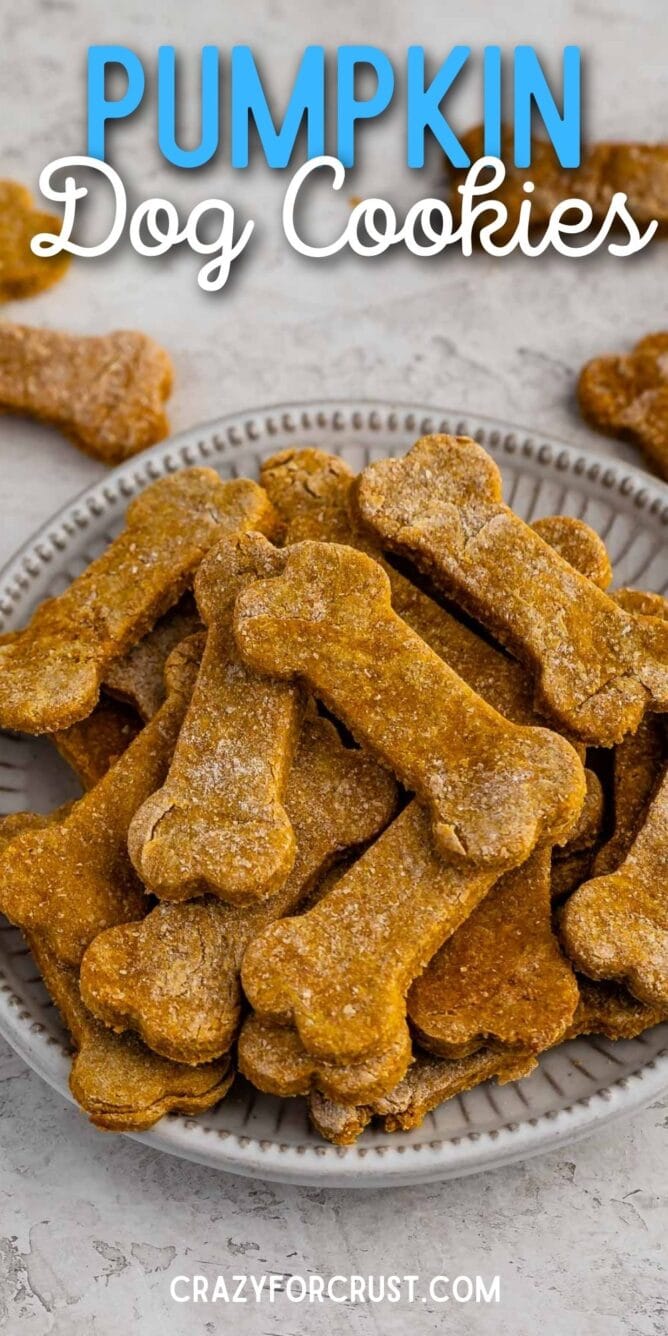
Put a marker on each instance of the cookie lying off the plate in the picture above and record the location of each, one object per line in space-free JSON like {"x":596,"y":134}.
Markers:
{"x":106,"y":394}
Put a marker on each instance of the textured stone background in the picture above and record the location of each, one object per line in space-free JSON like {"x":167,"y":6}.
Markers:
{"x":92,"y":1227}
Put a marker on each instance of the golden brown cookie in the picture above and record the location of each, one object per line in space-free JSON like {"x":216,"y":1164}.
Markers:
{"x":50,"y":673}
{"x":174,"y":977}
{"x":501,"y":979}
{"x":218,"y":825}
{"x":340,"y":972}
{"x":616,"y":926}
{"x":69,"y":881}
{"x":327,"y":620}
{"x":602,"y":1008}
{"x":138,"y":679}
{"x":119,"y":1083}
{"x":597,"y":667}
{"x":23,"y":274}
{"x":93,"y":745}
{"x":275,"y":1060}
{"x":628,"y":396}
{"x":311,"y":491}
{"x":105,"y":394}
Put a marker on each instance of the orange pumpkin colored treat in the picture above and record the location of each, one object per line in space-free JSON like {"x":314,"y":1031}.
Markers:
{"x":501,"y":979}
{"x":627,"y":396}
{"x":602,"y":1008}
{"x":138,"y":679}
{"x":597,"y":667}
{"x":578,"y":544}
{"x":105,"y":394}
{"x":340,"y":972}
{"x":69,"y":881}
{"x":93,"y":745}
{"x":23,"y":274}
{"x":218,"y":824}
{"x":50,"y":673}
{"x":640,"y":171}
{"x":274,"y":1059}
{"x":310,"y":491}
{"x":115,"y":1079}
{"x":119,"y":1083}
{"x":616,"y":926}
{"x":174,"y":976}
{"x":328,"y":621}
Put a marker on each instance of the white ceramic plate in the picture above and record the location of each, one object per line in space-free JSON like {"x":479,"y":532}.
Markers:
{"x":577,"y":1086}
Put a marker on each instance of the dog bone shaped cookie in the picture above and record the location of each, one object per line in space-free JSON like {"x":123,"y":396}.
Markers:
{"x":218,"y":824}
{"x":274,"y":1059}
{"x":327,"y":620}
{"x":69,"y":881}
{"x":340,"y":972}
{"x":616,"y":926}
{"x":50,"y":673}
{"x":138,"y":679}
{"x":628,"y":396}
{"x":105,"y":394}
{"x":501,"y":979}
{"x":598,"y":667}
{"x":310,"y":491}
{"x":119,"y":1083}
{"x":603,"y":1009}
{"x":174,"y":976}
{"x":93,"y":745}
{"x":23,"y":274}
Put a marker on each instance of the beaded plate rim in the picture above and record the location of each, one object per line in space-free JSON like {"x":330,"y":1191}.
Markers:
{"x":396,"y":1162}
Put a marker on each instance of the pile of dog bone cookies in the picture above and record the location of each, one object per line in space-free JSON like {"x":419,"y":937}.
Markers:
{"x":375,"y":803}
